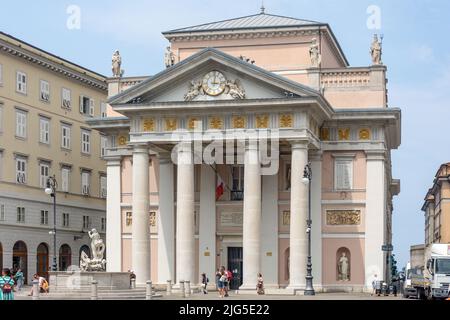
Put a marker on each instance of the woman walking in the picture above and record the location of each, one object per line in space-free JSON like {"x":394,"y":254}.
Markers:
{"x":260,"y":285}
{"x":222,"y":281}
{"x":18,"y":277}
{"x":6,"y":285}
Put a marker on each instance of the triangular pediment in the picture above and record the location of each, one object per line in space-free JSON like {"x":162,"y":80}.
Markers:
{"x":212,"y":75}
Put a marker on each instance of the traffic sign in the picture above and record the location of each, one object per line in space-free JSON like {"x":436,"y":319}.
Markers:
{"x":387,"y":247}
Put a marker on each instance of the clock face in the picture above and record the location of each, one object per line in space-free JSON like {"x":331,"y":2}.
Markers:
{"x":214,"y":83}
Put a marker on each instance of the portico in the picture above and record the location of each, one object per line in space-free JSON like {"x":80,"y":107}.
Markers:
{"x":209,"y":157}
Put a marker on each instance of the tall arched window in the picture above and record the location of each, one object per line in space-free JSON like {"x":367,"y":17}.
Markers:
{"x":65,"y":257}
{"x":42,"y":260}
{"x":20,"y":258}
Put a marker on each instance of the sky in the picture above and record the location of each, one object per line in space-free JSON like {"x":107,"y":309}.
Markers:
{"x":416,"y":51}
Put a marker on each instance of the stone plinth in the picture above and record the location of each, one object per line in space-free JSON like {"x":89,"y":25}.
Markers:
{"x":81,"y":281}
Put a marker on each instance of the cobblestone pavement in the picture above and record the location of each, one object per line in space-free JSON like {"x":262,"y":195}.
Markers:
{"x":23,"y":295}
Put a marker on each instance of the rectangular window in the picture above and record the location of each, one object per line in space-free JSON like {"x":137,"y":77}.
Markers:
{"x":1,"y":118}
{"x":44,"y":130}
{"x":20,"y":214}
{"x":86,"y":106}
{"x":21,"y":82}
{"x":21,"y":170}
{"x":237,"y":172}
{"x":66,"y":98}
{"x":103,"y":227}
{"x":65,"y":220}
{"x":102,"y":186}
{"x":85,"y":142}
{"x":21,"y":124}
{"x":44,"y":169}
{"x":45,"y":91}
{"x":343,"y":174}
{"x":86,"y":222}
{"x":65,"y":136}
{"x":65,"y":178}
{"x":103,"y":110}
{"x":85,"y":183}
{"x":44,"y":217}
{"x":2,"y":212}
{"x":103,"y":146}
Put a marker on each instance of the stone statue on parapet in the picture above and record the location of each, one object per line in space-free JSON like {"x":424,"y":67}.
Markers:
{"x":314,"y":54}
{"x":97,"y":262}
{"x":169,"y":58}
{"x":376,"y":50}
{"x":117,"y":64}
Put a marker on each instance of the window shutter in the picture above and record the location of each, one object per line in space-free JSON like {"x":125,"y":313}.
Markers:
{"x":91,"y":107}
{"x":339,"y":175}
{"x":65,"y":180}
{"x":81,"y":104}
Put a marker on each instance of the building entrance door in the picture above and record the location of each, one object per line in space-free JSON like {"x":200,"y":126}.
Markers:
{"x":235,"y":266}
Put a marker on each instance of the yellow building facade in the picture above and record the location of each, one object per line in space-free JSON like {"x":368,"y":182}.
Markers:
{"x":44,"y":102}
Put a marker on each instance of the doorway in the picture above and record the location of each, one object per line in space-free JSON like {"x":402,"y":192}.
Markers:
{"x":65,"y":257}
{"x":42,"y":260}
{"x":235,"y":266}
{"x":20,"y":258}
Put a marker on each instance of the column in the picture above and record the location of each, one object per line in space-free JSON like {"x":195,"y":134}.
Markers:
{"x":140,"y":243}
{"x":375,"y":217}
{"x":185,"y":230}
{"x":207,"y":227}
{"x":299,"y":215}
{"x":166,"y":221}
{"x":251,"y":237}
{"x":113,"y":215}
{"x":316,"y":217}
{"x":269,"y":240}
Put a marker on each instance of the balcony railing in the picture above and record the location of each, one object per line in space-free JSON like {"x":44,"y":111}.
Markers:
{"x":237,"y":195}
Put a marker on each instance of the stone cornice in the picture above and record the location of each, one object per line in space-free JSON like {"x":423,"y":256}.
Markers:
{"x":59,"y":67}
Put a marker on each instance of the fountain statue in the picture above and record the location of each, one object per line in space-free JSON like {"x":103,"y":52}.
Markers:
{"x":97,"y":262}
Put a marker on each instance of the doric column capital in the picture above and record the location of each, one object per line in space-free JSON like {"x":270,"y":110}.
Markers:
{"x":299,"y":144}
{"x":113,"y":161}
{"x":315,"y":155}
{"x":372,"y":155}
{"x":140,"y":148}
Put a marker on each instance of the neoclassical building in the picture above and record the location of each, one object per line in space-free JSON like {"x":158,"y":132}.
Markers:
{"x":230,"y":89}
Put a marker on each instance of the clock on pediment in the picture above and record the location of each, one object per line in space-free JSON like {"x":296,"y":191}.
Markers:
{"x":214,"y":83}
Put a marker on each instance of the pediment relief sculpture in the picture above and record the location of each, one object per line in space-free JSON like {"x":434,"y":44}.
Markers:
{"x":215,"y":84}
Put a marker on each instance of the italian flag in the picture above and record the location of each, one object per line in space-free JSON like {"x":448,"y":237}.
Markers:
{"x":219,"y":188}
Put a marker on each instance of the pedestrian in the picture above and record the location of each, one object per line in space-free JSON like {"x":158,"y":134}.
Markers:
{"x":374,"y":285}
{"x":18,"y":277}
{"x":222,"y":282}
{"x":217,"y":279}
{"x":205,"y":281}
{"x":6,"y":285}
{"x":229,"y":276}
{"x":260,"y":285}
{"x":43,"y":284}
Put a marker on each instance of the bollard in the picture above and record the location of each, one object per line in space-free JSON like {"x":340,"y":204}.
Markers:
{"x":183,"y":293}
{"x":169,"y":287}
{"x":36,"y":290}
{"x":187,"y":285}
{"x":133,"y":283}
{"x":148,"y":292}
{"x":94,"y":293}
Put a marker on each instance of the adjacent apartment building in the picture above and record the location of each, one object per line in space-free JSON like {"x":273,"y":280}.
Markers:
{"x":437,"y":208}
{"x":44,"y":102}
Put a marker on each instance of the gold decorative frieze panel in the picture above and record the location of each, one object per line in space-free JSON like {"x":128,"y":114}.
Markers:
{"x":344,"y":134}
{"x":325,"y":134}
{"x":286,"y":218}
{"x":239,"y":122}
{"x":286,"y":121}
{"x":171,"y":124}
{"x":364,"y":134}
{"x":194,"y":123}
{"x":122,"y":140}
{"x":262,"y":121}
{"x":216,"y":123}
{"x":152,"y":219}
{"x":343,"y":217}
{"x":149,"y":124}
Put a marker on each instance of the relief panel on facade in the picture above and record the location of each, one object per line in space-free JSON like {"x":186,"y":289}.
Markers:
{"x":343,"y":217}
{"x":231,"y":219}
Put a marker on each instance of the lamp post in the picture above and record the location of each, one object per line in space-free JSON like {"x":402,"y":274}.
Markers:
{"x":307,"y":177}
{"x":51,"y":191}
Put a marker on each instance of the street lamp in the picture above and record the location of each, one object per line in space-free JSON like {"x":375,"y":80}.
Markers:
{"x":307,"y":177}
{"x":51,"y":191}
